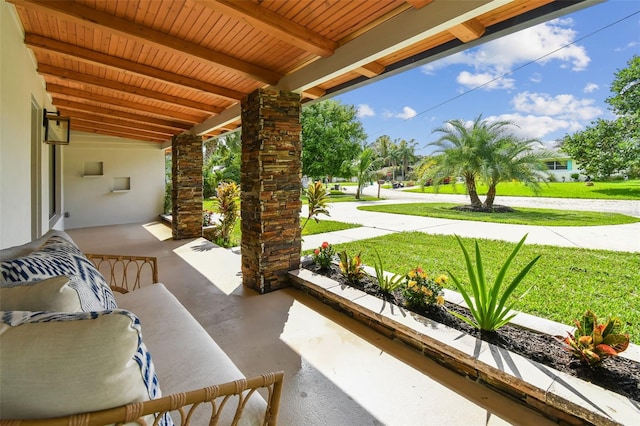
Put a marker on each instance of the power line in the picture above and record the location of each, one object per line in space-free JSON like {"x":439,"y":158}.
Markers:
{"x":473,"y":89}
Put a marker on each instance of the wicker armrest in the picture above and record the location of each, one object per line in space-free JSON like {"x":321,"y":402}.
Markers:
{"x":213,"y":398}
{"x":126,"y":273}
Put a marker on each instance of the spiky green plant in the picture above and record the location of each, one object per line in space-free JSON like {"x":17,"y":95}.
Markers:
{"x":489,"y":306}
{"x":318,"y":201}
{"x":387,"y":283}
{"x":351,"y":268}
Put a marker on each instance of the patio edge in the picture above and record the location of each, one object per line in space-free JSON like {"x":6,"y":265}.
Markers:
{"x":555,"y":394}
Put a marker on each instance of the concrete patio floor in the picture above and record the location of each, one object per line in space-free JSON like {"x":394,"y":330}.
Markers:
{"x":337,"y":371}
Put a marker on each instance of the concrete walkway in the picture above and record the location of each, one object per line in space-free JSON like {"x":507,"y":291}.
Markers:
{"x":615,"y":237}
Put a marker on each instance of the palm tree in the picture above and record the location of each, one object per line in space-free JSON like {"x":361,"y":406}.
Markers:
{"x":382,"y":147}
{"x":363,"y":168}
{"x":488,"y":151}
{"x":405,"y":153}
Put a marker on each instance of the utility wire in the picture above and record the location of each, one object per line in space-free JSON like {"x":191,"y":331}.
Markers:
{"x":473,"y":89}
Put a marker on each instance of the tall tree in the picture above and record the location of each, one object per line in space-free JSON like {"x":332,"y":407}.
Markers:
{"x":332,"y":136}
{"x":610,"y":146}
{"x":405,"y":153}
{"x":382,"y":147}
{"x":362,"y":169}
{"x":487,"y":151}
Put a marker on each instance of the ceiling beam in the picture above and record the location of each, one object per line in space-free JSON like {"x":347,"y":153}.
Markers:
{"x":78,"y":77}
{"x":96,"y":118}
{"x":468,"y":31}
{"x":54,"y":89}
{"x":398,"y":32}
{"x":122,"y":130}
{"x":90,"y":17}
{"x":90,"y":129}
{"x":49,"y":45}
{"x":275,"y":25}
{"x":314,"y":92}
{"x":78,"y":106}
{"x":371,"y":69}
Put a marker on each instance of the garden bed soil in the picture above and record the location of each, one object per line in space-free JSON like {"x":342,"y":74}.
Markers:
{"x":617,"y":374}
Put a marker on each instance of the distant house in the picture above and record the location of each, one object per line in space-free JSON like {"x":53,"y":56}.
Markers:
{"x":562,"y":167}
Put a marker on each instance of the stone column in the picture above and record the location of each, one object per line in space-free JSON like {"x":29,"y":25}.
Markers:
{"x":270,"y":188}
{"x":186,"y":195}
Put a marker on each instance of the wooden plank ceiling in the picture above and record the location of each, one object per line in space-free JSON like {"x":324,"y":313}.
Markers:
{"x":147,"y":70}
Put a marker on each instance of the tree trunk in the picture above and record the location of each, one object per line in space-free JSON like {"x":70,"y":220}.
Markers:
{"x":358,"y":191}
{"x":491,"y":196}
{"x":471,"y":190}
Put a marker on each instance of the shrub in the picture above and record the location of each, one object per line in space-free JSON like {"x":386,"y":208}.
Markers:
{"x":575,"y":176}
{"x":593,"y":342}
{"x":420,"y":291}
{"x":489,"y":308}
{"x":317,"y":200}
{"x":227,"y":205}
{"x":351,"y":268}
{"x":323,"y":255}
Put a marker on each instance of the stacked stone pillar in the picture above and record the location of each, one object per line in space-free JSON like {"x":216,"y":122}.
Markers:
{"x":270,"y":188}
{"x":186,"y":195}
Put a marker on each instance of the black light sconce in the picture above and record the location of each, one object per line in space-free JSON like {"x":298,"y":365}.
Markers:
{"x":57,"y":129}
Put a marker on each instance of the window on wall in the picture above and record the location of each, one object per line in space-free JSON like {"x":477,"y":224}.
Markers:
{"x":556,"y":165}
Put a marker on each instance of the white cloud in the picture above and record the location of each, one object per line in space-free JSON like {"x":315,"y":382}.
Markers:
{"x":502,"y":55}
{"x":407,"y":113}
{"x":536,"y":127}
{"x":590,"y":87}
{"x":488,"y":81}
{"x":365,"y":110}
{"x":536,"y":78}
{"x":563,"y":106}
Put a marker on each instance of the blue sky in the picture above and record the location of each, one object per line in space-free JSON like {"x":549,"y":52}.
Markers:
{"x":554,"y":96}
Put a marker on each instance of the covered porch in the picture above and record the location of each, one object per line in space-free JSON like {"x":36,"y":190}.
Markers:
{"x":337,"y":371}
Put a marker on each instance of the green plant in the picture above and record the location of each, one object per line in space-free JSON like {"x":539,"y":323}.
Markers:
{"x":489,"y":307}
{"x":318,"y":201}
{"x":323,"y":255}
{"x":207,"y":217}
{"x":351,"y":268}
{"x":420,"y":291}
{"x":575,"y":176}
{"x":593,"y":342}
{"x":227,"y":206}
{"x":387,"y":283}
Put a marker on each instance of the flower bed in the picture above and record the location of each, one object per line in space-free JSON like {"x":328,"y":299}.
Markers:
{"x":550,"y":391}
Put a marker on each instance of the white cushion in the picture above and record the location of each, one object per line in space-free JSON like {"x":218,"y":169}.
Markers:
{"x":185,"y":356}
{"x":58,"y":364}
{"x":53,"y":294}
{"x":58,"y":256}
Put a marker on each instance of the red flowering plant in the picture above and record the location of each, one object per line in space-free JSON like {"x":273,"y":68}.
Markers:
{"x":421,"y":291}
{"x":323,"y":255}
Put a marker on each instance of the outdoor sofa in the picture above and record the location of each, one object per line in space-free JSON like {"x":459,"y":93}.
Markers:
{"x":74,"y":352}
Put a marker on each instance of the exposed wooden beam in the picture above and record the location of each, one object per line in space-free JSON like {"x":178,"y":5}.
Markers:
{"x":78,"y":106}
{"x":101,"y":59}
{"x":65,"y":74}
{"x":87,"y":16}
{"x":468,"y":31}
{"x":122,"y":130}
{"x":419,"y":3}
{"x":90,"y":129}
{"x":112,"y":101}
{"x":97,"y":118}
{"x":274,"y":24}
{"x":371,"y":69}
{"x":314,"y":92}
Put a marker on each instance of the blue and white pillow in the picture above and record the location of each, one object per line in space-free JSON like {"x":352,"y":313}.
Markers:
{"x":80,"y":361}
{"x":58,"y":256}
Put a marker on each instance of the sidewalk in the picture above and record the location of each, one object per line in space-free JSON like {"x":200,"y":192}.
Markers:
{"x":615,"y":237}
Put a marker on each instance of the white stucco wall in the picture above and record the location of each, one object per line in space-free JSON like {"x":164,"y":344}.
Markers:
{"x":19,"y":84}
{"x":90,"y":201}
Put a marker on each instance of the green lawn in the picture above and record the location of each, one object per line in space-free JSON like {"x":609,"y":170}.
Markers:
{"x":341,"y":197}
{"x":563,"y":284}
{"x":615,"y":190}
{"x":522,"y":216}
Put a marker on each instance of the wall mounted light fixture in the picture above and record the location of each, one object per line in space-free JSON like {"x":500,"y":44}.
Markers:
{"x":57,"y":129}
